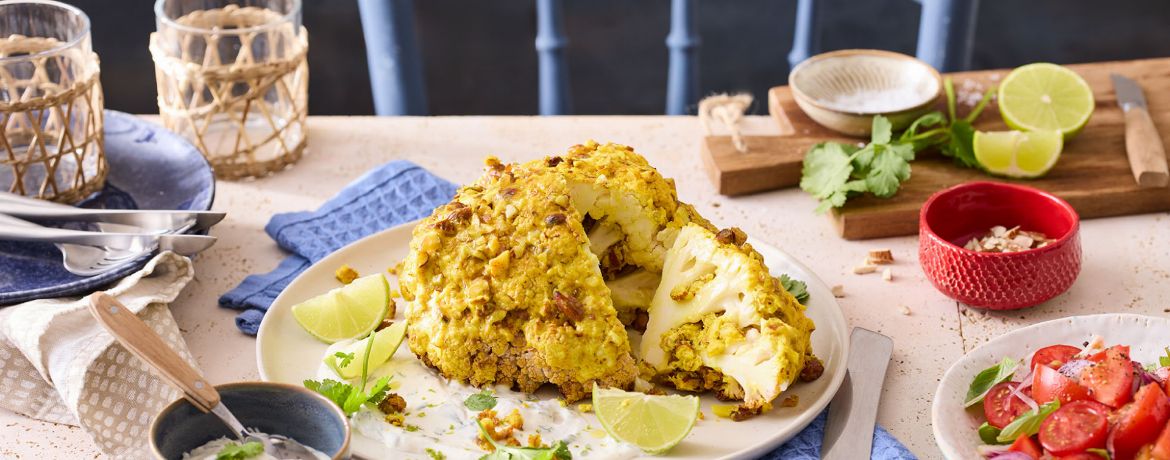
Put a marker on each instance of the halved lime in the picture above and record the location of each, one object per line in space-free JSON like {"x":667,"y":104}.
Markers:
{"x":347,"y":312}
{"x":1016,"y":153}
{"x":386,"y":342}
{"x":653,"y":423}
{"x":1045,"y":97}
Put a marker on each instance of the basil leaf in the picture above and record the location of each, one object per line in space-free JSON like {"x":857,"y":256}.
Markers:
{"x":988,"y":378}
{"x":480,"y":401}
{"x":1028,"y":423}
{"x":988,"y":433}
{"x":1101,"y":452}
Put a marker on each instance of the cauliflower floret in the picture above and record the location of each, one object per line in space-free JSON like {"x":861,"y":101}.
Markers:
{"x":632,"y":293}
{"x":632,"y":213}
{"x":720,"y":321}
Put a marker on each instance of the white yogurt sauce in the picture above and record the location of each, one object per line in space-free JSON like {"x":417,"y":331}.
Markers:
{"x":436,"y":418}
{"x":208,"y":451}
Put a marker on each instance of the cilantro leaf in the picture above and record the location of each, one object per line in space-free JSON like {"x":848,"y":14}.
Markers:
{"x":558,"y":451}
{"x":1028,"y":423}
{"x":887,"y":172}
{"x":960,"y":145}
{"x":338,"y":392}
{"x":988,"y":378}
{"x":797,"y":288}
{"x":480,"y":401}
{"x":826,"y":169}
{"x":343,"y":358}
{"x":238,"y":451}
{"x":1164,"y":361}
{"x":349,"y":398}
{"x":435,"y":455}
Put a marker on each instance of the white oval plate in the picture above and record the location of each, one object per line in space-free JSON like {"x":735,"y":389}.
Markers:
{"x":955,"y":428}
{"x":286,"y":353}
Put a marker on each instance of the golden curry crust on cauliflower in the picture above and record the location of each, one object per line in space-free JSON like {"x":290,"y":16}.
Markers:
{"x":720,"y":321}
{"x":630,"y":212}
{"x":633,"y":211}
{"x":504,"y":290}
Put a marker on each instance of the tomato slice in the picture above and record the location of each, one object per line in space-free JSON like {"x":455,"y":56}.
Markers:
{"x":1025,"y":444}
{"x":1074,"y":428}
{"x":1080,"y":456}
{"x":1139,"y":423}
{"x":1162,"y":445}
{"x":1054,"y":356}
{"x":1049,"y":385}
{"x":1110,"y":378}
{"x":998,"y":409}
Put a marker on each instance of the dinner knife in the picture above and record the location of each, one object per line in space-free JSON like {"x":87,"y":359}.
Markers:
{"x":853,"y":411}
{"x":150,"y":220}
{"x":1143,"y":144}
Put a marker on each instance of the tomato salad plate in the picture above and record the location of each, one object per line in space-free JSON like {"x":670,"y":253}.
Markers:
{"x":434,"y":423}
{"x":1084,"y":388}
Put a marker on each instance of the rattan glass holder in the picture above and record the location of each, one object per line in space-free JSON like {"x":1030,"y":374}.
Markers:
{"x":51,"y":142}
{"x":244,"y":111}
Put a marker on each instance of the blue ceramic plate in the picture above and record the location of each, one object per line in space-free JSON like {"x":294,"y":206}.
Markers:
{"x":150,"y":168}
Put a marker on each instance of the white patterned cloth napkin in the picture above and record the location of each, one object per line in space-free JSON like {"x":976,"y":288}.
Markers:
{"x":58,"y":364}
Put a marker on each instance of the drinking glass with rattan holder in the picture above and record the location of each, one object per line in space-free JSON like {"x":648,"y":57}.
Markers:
{"x":50,"y":103}
{"x":233,"y":78}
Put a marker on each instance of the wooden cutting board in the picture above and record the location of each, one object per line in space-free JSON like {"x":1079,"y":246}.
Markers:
{"x":1093,"y":173}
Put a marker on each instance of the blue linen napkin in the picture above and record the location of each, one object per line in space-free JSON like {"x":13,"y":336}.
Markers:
{"x":400,"y":192}
{"x":394,"y":193}
{"x":806,"y":445}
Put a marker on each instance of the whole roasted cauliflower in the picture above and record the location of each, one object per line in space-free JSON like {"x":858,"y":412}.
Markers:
{"x":719,"y":321}
{"x":533,"y":273}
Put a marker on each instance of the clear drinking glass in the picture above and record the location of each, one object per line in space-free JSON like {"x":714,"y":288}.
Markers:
{"x":233,"y":78}
{"x":50,"y":103}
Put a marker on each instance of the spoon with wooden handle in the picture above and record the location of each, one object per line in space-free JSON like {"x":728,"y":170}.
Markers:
{"x":144,"y":343}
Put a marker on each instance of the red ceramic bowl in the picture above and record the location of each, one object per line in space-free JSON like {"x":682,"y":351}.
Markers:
{"x":998,"y":281}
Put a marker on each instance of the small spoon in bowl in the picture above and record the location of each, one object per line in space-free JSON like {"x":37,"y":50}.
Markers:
{"x":144,"y":343}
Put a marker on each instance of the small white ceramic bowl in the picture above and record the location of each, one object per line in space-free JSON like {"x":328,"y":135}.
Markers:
{"x":843,"y":90}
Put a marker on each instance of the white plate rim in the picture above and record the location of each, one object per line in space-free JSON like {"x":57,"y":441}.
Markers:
{"x":817,"y":289}
{"x":955,"y":378}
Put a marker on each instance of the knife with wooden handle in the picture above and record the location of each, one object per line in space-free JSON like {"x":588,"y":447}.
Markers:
{"x":853,"y":411}
{"x":1143,"y":144}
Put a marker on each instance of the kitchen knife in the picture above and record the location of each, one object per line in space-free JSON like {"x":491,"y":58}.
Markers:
{"x":853,"y":411}
{"x":1143,"y":144}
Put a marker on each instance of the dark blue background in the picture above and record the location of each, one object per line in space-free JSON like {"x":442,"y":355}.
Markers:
{"x":480,"y":59}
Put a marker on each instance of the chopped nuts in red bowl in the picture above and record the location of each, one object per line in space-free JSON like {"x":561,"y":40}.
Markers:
{"x":999,"y":246}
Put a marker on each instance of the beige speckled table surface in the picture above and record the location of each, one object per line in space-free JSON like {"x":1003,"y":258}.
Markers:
{"x":1127,"y":259}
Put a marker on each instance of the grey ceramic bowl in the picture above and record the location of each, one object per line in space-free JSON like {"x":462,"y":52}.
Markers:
{"x":275,"y":408}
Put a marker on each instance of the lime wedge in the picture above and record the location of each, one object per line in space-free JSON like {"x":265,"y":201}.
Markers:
{"x":1018,"y":154}
{"x":1045,"y":97}
{"x":653,"y":423}
{"x":347,"y":312}
{"x":386,"y":342}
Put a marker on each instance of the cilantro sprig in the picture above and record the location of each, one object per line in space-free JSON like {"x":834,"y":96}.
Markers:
{"x":349,"y":397}
{"x":833,"y":172}
{"x":480,"y":401}
{"x":240,"y":451}
{"x":558,"y":451}
{"x":797,"y":288}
